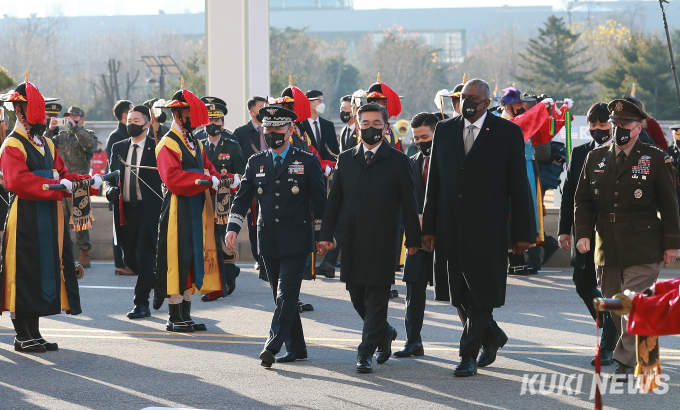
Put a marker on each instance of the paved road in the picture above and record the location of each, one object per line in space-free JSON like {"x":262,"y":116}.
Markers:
{"x":106,"y":361}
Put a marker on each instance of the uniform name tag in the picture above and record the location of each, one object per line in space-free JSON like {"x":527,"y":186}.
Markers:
{"x":224,"y":156}
{"x":261,"y":173}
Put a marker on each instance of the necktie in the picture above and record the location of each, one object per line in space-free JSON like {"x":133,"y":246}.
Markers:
{"x":279,"y":164}
{"x":426,"y":169}
{"x":621,"y":159}
{"x":469,"y":138}
{"x":369,"y":154}
{"x":263,"y":143}
{"x":211,"y":150}
{"x":318,"y":133}
{"x":133,"y":178}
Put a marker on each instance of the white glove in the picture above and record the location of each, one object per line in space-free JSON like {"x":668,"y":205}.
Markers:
{"x":68,"y":184}
{"x":629,"y":293}
{"x":327,"y":171}
{"x":98,"y":181}
{"x":216,"y":183}
{"x":569,"y":102}
{"x":548,"y":102}
{"x":236,"y":183}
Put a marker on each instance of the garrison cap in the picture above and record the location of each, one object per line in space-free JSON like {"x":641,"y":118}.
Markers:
{"x":276,"y":116}
{"x":625,"y":112}
{"x":675,"y":127}
{"x":77,"y":111}
{"x":52,"y":109}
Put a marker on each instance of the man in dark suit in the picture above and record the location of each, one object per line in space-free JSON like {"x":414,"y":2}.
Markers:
{"x":374,"y":186}
{"x":140,"y":188}
{"x":320,"y":130}
{"x":288,"y":184}
{"x":120,"y":111}
{"x":584,"y":263}
{"x":225,"y":155}
{"x":251,"y":139}
{"x":348,"y":136}
{"x":418,"y":267}
{"x":477,"y":178}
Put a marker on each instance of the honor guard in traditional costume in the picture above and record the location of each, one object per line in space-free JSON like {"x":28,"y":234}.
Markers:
{"x":674,"y":153}
{"x":626,"y":193}
{"x":227,"y":158}
{"x":38,"y":275}
{"x":382,"y":94}
{"x":293,"y":99}
{"x":188,"y":260}
{"x":288,"y":184}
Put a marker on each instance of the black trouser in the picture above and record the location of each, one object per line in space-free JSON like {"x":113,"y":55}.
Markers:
{"x":479,"y":328}
{"x":139,"y":247}
{"x":285,"y":279}
{"x":416,"y":295}
{"x":586,"y":286}
{"x":252,"y":235}
{"x":371,"y":304}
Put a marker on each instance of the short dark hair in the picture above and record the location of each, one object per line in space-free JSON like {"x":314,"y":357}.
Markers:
{"x":598,"y":113}
{"x":374,"y":107}
{"x":313,"y":93}
{"x":254,"y":100}
{"x":120,"y":108}
{"x":347,"y":98}
{"x":142,"y":109}
{"x":441,"y":116}
{"x":424,"y":118}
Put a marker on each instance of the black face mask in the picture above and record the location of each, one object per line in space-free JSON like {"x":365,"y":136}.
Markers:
{"x":274,"y":139}
{"x":186,"y":124}
{"x":425,"y":147}
{"x":345,"y":116}
{"x":600,"y":136}
{"x":135,"y":130}
{"x":213,"y":129}
{"x":371,"y":135}
{"x":621,"y":136}
{"x":520,"y":111}
{"x":259,"y":118}
{"x":469,"y":108}
{"x":162,"y":117}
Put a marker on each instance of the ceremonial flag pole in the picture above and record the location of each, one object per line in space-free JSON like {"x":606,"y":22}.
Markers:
{"x":670,"y":49}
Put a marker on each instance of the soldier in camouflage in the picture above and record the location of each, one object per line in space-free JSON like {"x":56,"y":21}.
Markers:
{"x":76,"y":145}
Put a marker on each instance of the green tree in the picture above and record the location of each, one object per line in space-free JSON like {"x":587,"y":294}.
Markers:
{"x":193,"y":72}
{"x":551,"y":63}
{"x":6,"y":79}
{"x":644,"y":60}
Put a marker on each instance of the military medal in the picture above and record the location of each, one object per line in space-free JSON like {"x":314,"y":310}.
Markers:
{"x":295,"y":190}
{"x":638,"y":193}
{"x":259,"y":190}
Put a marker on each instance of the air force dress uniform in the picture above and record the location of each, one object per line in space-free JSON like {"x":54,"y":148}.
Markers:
{"x":291,"y":197}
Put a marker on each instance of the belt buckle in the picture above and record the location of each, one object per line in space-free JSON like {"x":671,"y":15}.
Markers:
{"x":612,"y":217}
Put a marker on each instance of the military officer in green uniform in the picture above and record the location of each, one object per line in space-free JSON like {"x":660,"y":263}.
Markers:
{"x":227,"y":158}
{"x":674,"y":152}
{"x":626,"y":193}
{"x":76,"y":145}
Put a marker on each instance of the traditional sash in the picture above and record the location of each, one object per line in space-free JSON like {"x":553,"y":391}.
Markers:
{"x":45,"y":245}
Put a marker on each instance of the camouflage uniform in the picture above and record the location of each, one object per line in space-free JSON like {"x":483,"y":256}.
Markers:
{"x":76,"y":149}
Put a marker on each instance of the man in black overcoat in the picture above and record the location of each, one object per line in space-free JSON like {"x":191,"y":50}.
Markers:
{"x":584,"y":276}
{"x":477,"y":179}
{"x":374,"y":186}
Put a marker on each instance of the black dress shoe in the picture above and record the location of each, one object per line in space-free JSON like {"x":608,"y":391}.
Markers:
{"x":139,"y":312}
{"x":230,"y":289}
{"x":326,"y":269}
{"x":267,"y":358}
{"x":157,"y":302}
{"x":207,"y":298}
{"x":488,"y":356}
{"x":606,"y":358}
{"x":290,"y":357}
{"x":305,"y":307}
{"x":29,"y":346}
{"x":410,"y":349}
{"x":519,"y":270}
{"x":175,"y":322}
{"x":386,"y":350}
{"x":50,"y":347}
{"x":364,"y":364}
{"x":466,"y":368}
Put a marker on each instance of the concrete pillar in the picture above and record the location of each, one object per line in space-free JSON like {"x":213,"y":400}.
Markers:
{"x":237,"y":54}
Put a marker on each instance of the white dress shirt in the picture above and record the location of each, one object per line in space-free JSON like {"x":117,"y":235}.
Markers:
{"x":128,"y":174}
{"x":374,"y":150}
{"x":478,"y":126}
{"x":317,"y":138}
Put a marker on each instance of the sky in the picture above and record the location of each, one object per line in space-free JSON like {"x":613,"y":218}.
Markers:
{"x":91,"y":7}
